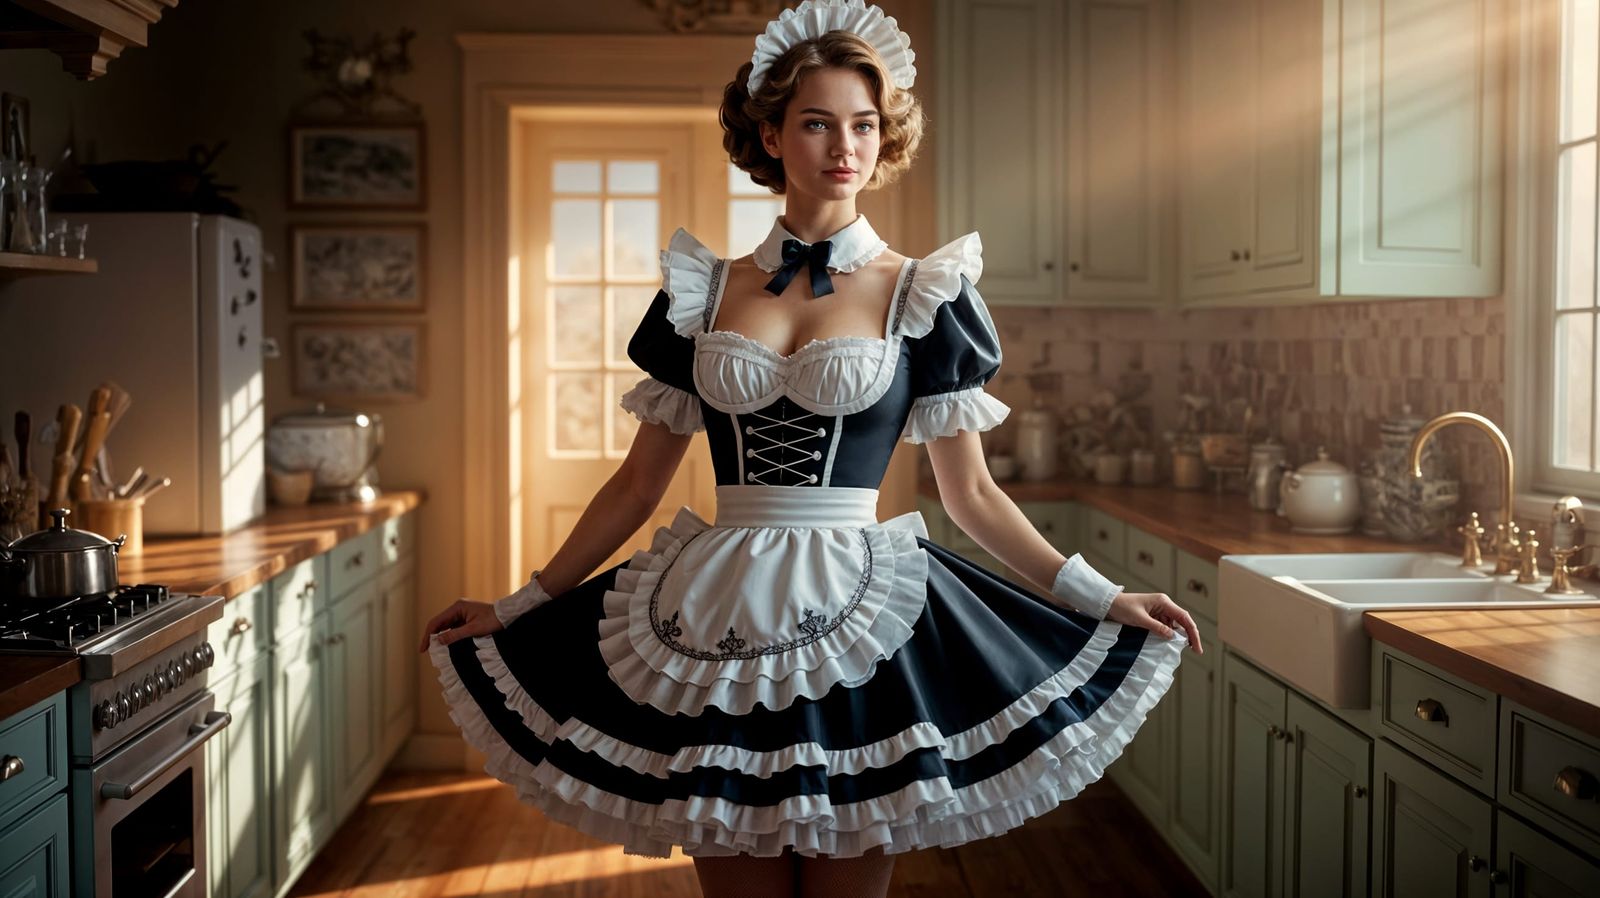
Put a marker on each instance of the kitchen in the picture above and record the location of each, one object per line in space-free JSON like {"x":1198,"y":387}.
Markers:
{"x":1217,"y":236}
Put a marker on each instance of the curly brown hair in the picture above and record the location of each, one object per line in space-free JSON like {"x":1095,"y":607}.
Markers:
{"x":742,"y":113}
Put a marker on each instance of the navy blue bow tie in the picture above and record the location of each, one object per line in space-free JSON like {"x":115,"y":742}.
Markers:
{"x":795,"y":256}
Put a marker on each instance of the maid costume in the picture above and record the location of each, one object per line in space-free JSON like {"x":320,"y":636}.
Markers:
{"x":795,"y":672}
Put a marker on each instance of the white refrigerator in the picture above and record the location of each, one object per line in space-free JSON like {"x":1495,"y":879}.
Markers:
{"x":174,"y":316}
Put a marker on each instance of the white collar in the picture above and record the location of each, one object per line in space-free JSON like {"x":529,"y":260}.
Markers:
{"x":854,"y":245}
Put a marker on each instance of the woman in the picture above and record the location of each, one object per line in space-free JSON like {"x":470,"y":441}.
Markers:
{"x":798,"y":691}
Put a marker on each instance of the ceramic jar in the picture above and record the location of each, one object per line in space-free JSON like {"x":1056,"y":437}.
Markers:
{"x":1188,"y":470}
{"x":1266,"y":470}
{"x":1142,"y":467}
{"x":1321,"y":497}
{"x":1036,"y":444}
{"x":1109,"y":468}
{"x":1411,"y":509}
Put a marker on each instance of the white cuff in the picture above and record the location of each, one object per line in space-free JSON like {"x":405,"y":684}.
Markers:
{"x":1084,"y":589}
{"x":529,"y":597}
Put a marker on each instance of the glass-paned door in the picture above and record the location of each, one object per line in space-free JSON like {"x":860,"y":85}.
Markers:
{"x":601,"y":203}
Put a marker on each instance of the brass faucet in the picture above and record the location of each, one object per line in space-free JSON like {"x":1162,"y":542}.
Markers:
{"x":1505,"y":540}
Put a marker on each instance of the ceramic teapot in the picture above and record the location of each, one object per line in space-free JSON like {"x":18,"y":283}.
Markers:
{"x":1320,"y":497}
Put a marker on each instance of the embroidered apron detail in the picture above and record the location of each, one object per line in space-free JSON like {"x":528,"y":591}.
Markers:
{"x":812,"y":625}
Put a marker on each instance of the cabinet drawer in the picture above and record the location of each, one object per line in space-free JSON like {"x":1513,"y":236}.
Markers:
{"x":1150,"y":559}
{"x":1108,"y":537}
{"x":1195,"y":584}
{"x":1551,"y":774}
{"x":33,"y":746}
{"x":34,"y":856}
{"x":353,"y":561}
{"x":242,"y":632}
{"x":296,"y":596}
{"x":1451,"y":724}
{"x":399,"y":536}
{"x":1054,"y":521}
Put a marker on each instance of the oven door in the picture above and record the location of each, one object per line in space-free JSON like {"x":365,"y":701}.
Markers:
{"x":141,"y":811}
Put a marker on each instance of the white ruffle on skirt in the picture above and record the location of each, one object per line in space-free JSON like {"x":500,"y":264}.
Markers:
{"x":793,"y":591}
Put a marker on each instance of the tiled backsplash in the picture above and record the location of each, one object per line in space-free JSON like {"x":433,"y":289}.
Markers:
{"x":1335,"y":370}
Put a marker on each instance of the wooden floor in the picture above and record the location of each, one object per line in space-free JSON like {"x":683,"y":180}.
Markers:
{"x":449,"y":835}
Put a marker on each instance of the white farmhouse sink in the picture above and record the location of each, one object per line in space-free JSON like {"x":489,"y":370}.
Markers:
{"x":1300,"y":615}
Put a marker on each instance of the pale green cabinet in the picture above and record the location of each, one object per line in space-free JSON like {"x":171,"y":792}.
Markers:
{"x":239,"y":784}
{"x":1296,"y":782}
{"x":398,"y":681}
{"x":1529,"y":864}
{"x":34,"y":834}
{"x":303,"y":805}
{"x":354,"y":708}
{"x":1433,"y":837}
{"x":1196,"y":764}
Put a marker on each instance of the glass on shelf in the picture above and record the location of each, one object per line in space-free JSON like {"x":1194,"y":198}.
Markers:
{"x":56,"y":238}
{"x":78,"y":241}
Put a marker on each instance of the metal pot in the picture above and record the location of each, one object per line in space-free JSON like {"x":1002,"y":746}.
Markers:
{"x":60,"y":563}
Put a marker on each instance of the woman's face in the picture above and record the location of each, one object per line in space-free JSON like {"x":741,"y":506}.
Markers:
{"x":829,"y":139}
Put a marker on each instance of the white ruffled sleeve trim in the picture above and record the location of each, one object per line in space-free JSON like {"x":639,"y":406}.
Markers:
{"x":529,"y":597}
{"x":686,"y":275}
{"x":943,"y":414}
{"x":937,"y":281}
{"x":1083,"y":589}
{"x":655,"y":402}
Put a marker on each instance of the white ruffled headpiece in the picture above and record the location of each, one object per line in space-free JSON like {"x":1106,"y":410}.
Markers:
{"x":814,"y":18}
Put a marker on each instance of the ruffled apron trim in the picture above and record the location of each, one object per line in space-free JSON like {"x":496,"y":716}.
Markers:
{"x":926,"y":813}
{"x":651,"y":672}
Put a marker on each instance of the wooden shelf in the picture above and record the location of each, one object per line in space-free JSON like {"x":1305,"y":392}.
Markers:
{"x":16,"y":265}
{"x":86,"y":34}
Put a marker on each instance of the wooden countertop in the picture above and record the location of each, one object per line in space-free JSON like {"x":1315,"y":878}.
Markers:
{"x":1544,"y":658}
{"x":229,"y":564}
{"x":26,"y":679}
{"x":1200,"y":522}
{"x":225,"y":565}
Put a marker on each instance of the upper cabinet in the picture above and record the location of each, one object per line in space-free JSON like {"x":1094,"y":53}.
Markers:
{"x":1052,"y":143}
{"x":1340,"y":147}
{"x":1223,"y":152}
{"x":86,"y":34}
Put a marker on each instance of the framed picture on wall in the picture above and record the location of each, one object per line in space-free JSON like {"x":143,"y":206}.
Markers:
{"x":358,"y":266}
{"x":357,"y":166}
{"x":358,"y":361}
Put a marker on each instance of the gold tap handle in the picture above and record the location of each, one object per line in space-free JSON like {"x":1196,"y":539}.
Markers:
{"x":1471,"y":542}
{"x":1528,"y":556}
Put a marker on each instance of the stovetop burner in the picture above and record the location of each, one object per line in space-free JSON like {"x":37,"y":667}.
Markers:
{"x":70,"y":623}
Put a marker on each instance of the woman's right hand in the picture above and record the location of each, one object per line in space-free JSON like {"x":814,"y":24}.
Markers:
{"x":463,"y":619}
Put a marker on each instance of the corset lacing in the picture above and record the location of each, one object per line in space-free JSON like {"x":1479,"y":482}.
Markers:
{"x":778,"y":445}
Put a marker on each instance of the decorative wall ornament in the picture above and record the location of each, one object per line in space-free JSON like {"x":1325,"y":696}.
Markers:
{"x":367,"y":165}
{"x":356,"y":78}
{"x":369,"y":267}
{"x":358,"y":361}
{"x":721,"y":16}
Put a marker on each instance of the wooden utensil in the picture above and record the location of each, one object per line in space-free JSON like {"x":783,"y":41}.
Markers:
{"x":153,"y":488}
{"x":99,"y":401}
{"x":118,"y":403}
{"x":126,"y":486}
{"x":67,"y":419}
{"x":94,"y":437}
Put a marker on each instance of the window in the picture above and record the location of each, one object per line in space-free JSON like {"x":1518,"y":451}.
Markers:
{"x":751,"y":209}
{"x":1569,"y":445}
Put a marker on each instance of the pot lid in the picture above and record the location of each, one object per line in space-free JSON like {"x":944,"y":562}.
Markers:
{"x":59,"y":537}
{"x":323,"y":416}
{"x":1323,"y":465}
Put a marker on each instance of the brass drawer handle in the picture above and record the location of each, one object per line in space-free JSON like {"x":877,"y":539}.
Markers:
{"x":11,"y":767}
{"x":1361,"y":791}
{"x":394,"y":541}
{"x":355,"y":560}
{"x":1475,"y":863}
{"x":1197,"y":587}
{"x":1278,"y":732}
{"x":1433,"y":712}
{"x":309,"y":588}
{"x":1101,"y":535}
{"x":1145,"y":558}
{"x":240,"y":625}
{"x":1575,"y":782}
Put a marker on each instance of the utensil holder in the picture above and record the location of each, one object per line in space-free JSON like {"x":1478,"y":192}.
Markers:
{"x":113,"y":517}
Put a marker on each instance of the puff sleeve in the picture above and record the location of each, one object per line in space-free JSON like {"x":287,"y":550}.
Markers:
{"x":666,"y":394}
{"x":950,"y":364}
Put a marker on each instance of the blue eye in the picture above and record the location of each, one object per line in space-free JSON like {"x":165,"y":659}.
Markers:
{"x":815,"y":122}
{"x":867,"y":125}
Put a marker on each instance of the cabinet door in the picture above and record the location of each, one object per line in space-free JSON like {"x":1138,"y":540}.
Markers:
{"x":354,"y":701}
{"x":1421,"y":157}
{"x":1253,"y":710}
{"x":239,"y":786}
{"x":303,"y":805}
{"x":1118,"y":190}
{"x":1197,"y":761}
{"x":1433,"y":836}
{"x":1328,"y":813}
{"x":1217,"y":50}
{"x":1143,"y":770}
{"x":33,"y":853}
{"x":999,"y":144}
{"x":1533,"y":864}
{"x":398,"y":681}
{"x":1285,"y":158}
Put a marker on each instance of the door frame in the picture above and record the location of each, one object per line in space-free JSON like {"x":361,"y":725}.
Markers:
{"x":502,"y":73}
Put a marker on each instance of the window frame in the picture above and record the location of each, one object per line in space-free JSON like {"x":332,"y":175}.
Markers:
{"x":1530,"y":321}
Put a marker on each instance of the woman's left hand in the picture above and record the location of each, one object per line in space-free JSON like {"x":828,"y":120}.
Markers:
{"x":1154,"y":611}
